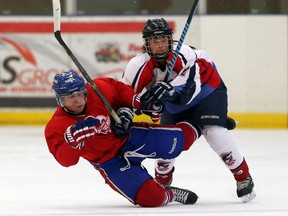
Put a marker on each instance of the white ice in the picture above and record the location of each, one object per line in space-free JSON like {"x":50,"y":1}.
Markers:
{"x":33,"y":183}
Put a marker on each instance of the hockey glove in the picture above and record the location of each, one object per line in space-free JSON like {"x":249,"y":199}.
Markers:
{"x":122,"y":130}
{"x":141,"y":103}
{"x":76,"y":134}
{"x":159,"y":93}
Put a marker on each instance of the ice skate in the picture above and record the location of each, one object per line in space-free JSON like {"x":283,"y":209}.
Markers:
{"x":245,"y":189}
{"x":184,"y":196}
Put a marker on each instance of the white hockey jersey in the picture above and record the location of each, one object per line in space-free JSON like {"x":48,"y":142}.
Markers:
{"x":194,"y":75}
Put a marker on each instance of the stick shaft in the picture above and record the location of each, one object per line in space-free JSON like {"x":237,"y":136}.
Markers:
{"x":57,"y":33}
{"x":182,"y":37}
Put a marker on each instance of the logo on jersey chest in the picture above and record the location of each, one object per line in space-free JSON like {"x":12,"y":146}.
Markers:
{"x":105,"y":125}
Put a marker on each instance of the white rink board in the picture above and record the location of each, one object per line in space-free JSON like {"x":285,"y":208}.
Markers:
{"x":251,"y":53}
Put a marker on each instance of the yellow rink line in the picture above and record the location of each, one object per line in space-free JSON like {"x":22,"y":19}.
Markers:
{"x":246,"y":120}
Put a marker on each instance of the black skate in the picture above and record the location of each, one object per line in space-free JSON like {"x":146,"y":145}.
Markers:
{"x":184,"y":196}
{"x":245,"y":189}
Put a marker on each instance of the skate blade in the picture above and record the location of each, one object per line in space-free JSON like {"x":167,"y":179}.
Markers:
{"x":248,"y":197}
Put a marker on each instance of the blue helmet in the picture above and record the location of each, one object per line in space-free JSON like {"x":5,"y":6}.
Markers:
{"x":67,"y":83}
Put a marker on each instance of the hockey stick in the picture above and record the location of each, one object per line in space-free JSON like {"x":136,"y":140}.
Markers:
{"x":182,"y":37}
{"x":57,"y":33}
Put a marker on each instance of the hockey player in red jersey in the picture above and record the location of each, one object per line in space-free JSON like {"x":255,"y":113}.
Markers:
{"x":82,"y":127}
{"x":194,"y":92}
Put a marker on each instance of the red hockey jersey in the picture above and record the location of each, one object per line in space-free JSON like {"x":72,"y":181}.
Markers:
{"x":98,"y":148}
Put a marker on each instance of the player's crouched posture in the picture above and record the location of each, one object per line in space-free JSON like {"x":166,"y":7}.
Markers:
{"x":82,"y":127}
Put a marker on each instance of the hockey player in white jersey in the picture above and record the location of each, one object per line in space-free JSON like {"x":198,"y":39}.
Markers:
{"x":194,"y":92}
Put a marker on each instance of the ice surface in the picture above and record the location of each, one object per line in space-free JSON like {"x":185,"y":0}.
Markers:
{"x":33,"y":183}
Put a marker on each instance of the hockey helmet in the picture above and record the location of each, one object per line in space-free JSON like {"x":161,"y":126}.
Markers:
{"x":157,"y":28}
{"x":68,"y":83}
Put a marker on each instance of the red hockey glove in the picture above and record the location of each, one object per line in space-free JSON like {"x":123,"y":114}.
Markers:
{"x":76,"y":134}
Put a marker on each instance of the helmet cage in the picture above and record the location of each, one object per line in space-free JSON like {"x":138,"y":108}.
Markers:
{"x":157,"y":56}
{"x":60,"y":98}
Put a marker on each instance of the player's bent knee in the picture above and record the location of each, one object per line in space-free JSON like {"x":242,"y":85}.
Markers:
{"x":152,"y":194}
{"x":191,"y":133}
{"x":215,"y":134}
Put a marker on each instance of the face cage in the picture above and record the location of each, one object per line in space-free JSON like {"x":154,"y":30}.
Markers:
{"x":60,"y":98}
{"x":158,"y":57}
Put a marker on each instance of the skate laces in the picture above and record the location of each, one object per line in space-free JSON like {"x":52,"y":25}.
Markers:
{"x":180,"y":195}
{"x":245,"y":189}
{"x":134,"y":153}
{"x":243,"y":184}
